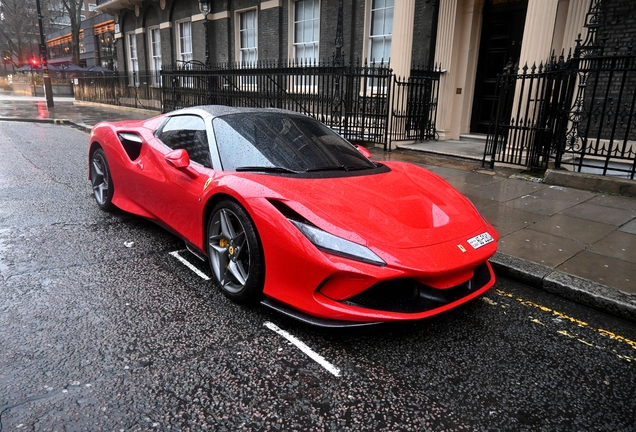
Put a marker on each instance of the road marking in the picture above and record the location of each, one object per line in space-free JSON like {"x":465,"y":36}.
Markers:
{"x":186,"y":263}
{"x":561,"y":315}
{"x":304,"y":348}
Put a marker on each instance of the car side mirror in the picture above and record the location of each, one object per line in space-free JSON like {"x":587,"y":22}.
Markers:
{"x":180,"y":160}
{"x":366,"y":153}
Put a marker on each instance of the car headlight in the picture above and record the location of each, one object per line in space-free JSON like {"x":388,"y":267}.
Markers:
{"x":337,"y":246}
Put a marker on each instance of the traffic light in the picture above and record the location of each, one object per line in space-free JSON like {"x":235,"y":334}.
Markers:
{"x":35,"y":62}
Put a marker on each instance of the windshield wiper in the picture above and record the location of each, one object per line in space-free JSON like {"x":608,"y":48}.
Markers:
{"x":339,"y":168}
{"x":267,"y":169}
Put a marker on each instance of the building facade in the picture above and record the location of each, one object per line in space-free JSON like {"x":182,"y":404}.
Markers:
{"x":97,"y":43}
{"x":471,"y":41}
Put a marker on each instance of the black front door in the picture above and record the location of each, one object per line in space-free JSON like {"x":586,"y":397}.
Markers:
{"x":501,"y":35}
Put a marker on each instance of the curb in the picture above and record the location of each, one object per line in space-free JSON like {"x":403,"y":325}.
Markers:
{"x":47,"y":120}
{"x":591,"y":182}
{"x":573,"y":288}
{"x":66,"y":122}
{"x":439,"y":153}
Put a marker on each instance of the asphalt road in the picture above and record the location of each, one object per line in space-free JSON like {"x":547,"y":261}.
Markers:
{"x":102,"y":328}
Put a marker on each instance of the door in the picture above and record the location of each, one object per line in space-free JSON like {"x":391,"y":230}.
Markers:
{"x":171,"y":193}
{"x":501,"y":34}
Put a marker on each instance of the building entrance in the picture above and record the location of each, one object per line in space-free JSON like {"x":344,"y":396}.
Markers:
{"x":500,"y":44}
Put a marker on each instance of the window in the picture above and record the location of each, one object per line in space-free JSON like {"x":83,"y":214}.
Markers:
{"x":133,"y":61}
{"x":154,"y":36}
{"x":290,"y":141}
{"x":184,"y":38}
{"x":187,"y":132}
{"x":247,"y":37}
{"x":381,"y":29}
{"x":306,"y":25}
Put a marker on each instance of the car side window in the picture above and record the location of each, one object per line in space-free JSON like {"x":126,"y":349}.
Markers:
{"x":187,"y":132}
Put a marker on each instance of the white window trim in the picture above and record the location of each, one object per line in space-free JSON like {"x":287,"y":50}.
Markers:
{"x":156,"y":78}
{"x":133,"y":66}
{"x":367,"y":32}
{"x":291,"y":32}
{"x":237,"y":33}
{"x":244,"y":84}
{"x":371,"y":88}
{"x":178,"y":38}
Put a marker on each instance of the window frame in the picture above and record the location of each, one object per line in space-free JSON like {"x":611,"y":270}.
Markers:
{"x":293,"y":24}
{"x":155,"y":60}
{"x":245,"y":82}
{"x":371,"y":38}
{"x":239,"y":48}
{"x":133,"y":61}
{"x":183,"y":56}
{"x":206,"y":124}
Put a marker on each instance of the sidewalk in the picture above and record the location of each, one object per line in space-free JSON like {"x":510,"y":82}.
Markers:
{"x":578,"y":244}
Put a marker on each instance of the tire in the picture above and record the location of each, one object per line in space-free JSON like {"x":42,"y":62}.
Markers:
{"x":101,"y":180}
{"x":235,"y":253}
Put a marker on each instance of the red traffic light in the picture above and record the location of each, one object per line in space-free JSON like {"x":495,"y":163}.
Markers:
{"x":35,"y":62}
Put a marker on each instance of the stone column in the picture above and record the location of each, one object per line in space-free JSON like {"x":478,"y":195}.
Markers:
{"x":446,"y":24}
{"x":574,"y":25}
{"x":402,"y":38}
{"x":456,"y":53}
{"x":538,"y":32}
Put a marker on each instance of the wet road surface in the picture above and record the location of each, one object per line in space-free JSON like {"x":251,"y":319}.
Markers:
{"x":103,"y":327}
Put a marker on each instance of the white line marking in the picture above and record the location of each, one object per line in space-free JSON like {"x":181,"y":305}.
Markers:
{"x":304,"y":348}
{"x":190,"y":266}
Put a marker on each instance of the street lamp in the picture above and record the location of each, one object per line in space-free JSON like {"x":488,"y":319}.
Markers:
{"x":205,"y":6}
{"x":48,"y":91}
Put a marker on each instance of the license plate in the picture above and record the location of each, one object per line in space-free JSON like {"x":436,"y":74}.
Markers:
{"x":480,"y":240}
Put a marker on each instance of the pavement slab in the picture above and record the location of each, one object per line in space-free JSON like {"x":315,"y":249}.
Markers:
{"x":506,"y":191}
{"x":629,"y":227}
{"x":509,"y":217}
{"x":619,"y":245}
{"x":538,"y":247}
{"x":601,"y":214}
{"x":539,"y":204}
{"x":572,"y":228}
{"x":602,"y":269}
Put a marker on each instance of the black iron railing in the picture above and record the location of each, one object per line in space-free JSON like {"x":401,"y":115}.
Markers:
{"x":414,"y":106}
{"x":138,"y":90}
{"x":357,"y":101}
{"x":577,"y":113}
{"x":363,"y":102}
{"x":353,"y":100}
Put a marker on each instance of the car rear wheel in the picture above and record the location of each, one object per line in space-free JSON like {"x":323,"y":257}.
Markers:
{"x":101,"y":180}
{"x":235,"y":252}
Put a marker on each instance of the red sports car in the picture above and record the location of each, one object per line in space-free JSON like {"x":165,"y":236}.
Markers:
{"x":291,"y":214}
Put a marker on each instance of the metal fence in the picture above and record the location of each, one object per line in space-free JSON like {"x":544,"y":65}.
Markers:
{"x":530,"y":115}
{"x":362,"y":102}
{"x":577,"y":113}
{"x":414,"y":106}
{"x":137,"y":90}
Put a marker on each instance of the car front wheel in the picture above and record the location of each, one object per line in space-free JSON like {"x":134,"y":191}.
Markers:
{"x":101,"y":180}
{"x":235,"y":252}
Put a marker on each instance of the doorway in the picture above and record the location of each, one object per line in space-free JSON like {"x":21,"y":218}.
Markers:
{"x":500,"y":43}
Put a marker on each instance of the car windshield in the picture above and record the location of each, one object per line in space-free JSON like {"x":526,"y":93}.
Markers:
{"x":276,"y":142}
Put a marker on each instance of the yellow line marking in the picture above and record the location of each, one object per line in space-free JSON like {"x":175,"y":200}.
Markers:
{"x":536,"y":321}
{"x":489,"y":301}
{"x":580,"y":323}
